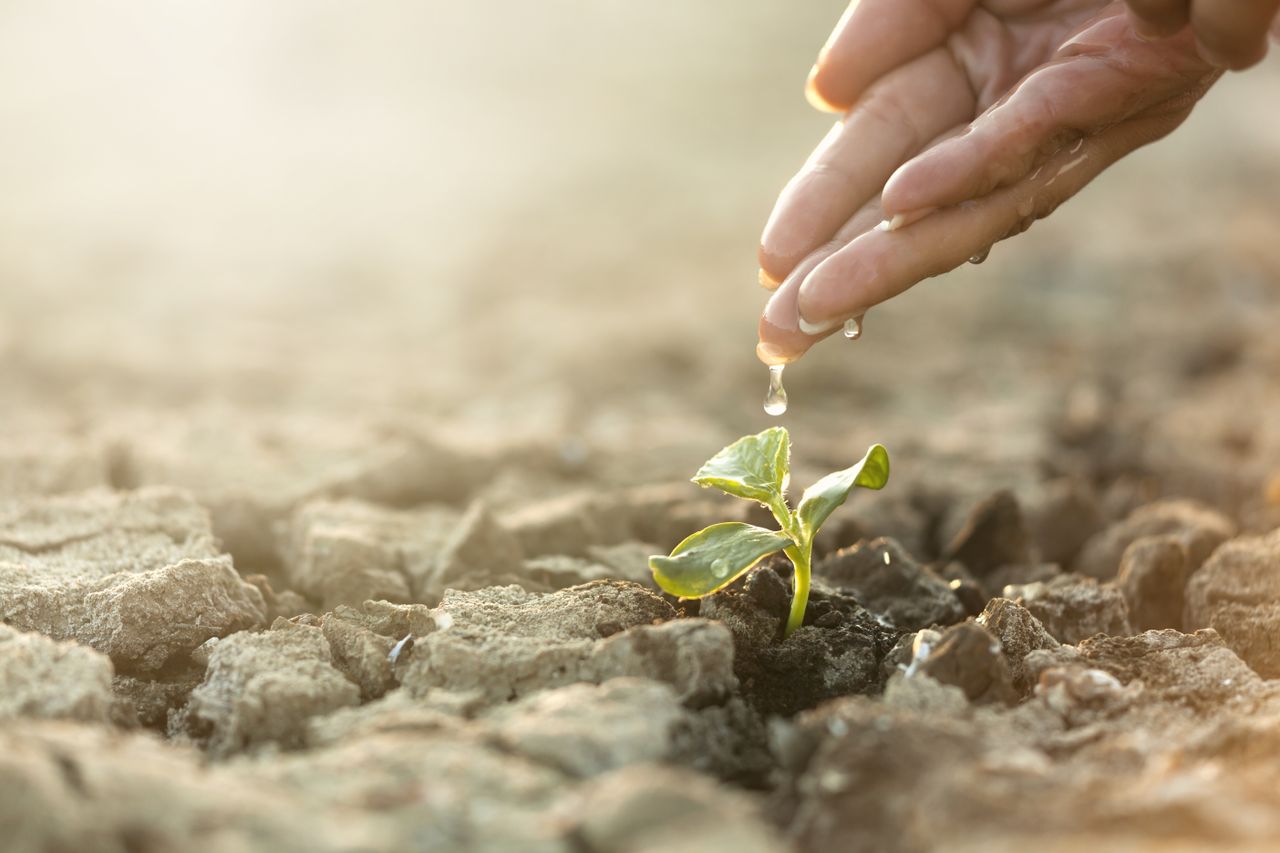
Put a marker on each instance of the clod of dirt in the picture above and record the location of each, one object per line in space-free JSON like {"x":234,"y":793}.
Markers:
{"x":1073,"y":608}
{"x":1194,"y":670}
{"x":359,"y":653}
{"x":262,"y":688}
{"x":1237,"y":593}
{"x":43,"y":678}
{"x":503,"y":643}
{"x":968,"y":656}
{"x":695,"y":656}
{"x":142,"y":620}
{"x":92,"y":535}
{"x":993,"y":535}
{"x":890,"y":582}
{"x":837,"y":652}
{"x":585,"y":730}
{"x":1062,"y":518}
{"x":1019,"y":633}
{"x":648,"y":809}
{"x":347,"y":552}
{"x":1199,"y":528}
{"x":135,"y":575}
{"x":1153,"y":575}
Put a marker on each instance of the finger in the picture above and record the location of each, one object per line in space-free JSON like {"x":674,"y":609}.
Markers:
{"x":1233,"y":33}
{"x":874,"y":37}
{"x":781,"y":338}
{"x":1158,"y":18}
{"x":1050,"y":109}
{"x":894,"y":120}
{"x":880,"y":264}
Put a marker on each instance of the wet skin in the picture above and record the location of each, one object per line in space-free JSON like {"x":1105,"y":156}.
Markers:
{"x":961,"y":124}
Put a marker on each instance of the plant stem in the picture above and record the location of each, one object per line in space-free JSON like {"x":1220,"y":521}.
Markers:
{"x":800,"y":556}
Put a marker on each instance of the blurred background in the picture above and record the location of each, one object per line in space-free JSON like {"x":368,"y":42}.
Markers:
{"x":239,"y":241}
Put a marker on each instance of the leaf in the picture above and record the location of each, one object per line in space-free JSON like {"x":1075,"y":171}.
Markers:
{"x":714,"y":557}
{"x":754,"y":467}
{"x":823,"y":497}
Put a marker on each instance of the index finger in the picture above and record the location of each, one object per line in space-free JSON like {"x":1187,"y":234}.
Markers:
{"x":874,"y":37}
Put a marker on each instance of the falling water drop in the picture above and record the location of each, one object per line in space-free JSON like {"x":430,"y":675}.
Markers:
{"x":853,"y":328}
{"x":775,"y":402}
{"x":980,"y":257}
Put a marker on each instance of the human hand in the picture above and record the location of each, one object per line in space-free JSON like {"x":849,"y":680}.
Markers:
{"x":968,"y":123}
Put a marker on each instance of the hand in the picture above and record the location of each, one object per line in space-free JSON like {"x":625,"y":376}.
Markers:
{"x":968,"y":123}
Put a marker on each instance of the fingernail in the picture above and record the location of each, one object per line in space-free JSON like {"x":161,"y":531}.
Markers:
{"x":767,"y":281}
{"x":816,"y":100}
{"x":771,"y":355}
{"x":816,"y":328}
{"x":902,"y":220}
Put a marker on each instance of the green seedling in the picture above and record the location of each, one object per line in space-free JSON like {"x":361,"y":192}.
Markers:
{"x":757,"y":468}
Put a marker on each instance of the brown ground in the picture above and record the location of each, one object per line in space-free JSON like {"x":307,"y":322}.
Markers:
{"x":417,"y":257}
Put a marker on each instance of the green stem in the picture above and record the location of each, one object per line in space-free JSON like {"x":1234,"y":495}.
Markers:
{"x":800,"y":556}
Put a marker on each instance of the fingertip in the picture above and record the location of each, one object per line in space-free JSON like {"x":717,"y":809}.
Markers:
{"x":817,"y":92}
{"x":1236,"y":57}
{"x":902,"y":193}
{"x":773,"y":268}
{"x":825,"y":298}
{"x":772,"y":354}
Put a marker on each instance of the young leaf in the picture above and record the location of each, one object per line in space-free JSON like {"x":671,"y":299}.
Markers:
{"x":714,"y":557}
{"x":753,"y":467}
{"x":822,"y":498}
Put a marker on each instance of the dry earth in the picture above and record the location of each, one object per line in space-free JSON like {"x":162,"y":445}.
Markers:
{"x":351,"y":366}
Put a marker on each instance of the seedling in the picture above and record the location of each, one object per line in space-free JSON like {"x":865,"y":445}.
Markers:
{"x":757,"y":468}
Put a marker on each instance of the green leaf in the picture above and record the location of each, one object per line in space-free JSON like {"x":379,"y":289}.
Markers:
{"x":754,"y":467}
{"x":714,"y":557}
{"x":823,"y":497}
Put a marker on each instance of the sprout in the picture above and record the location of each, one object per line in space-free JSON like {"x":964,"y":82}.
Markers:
{"x":756,"y":468}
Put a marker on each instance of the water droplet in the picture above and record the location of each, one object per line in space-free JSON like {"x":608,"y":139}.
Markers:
{"x":853,"y":328}
{"x":720,"y":568}
{"x":981,"y":256}
{"x":775,"y":402}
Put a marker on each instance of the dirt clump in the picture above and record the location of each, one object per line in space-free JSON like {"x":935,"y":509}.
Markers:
{"x":1199,"y":528}
{"x":1237,"y":593}
{"x":1072,"y":608}
{"x":47,"y":679}
{"x":889,"y":582}
{"x":262,"y":688}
